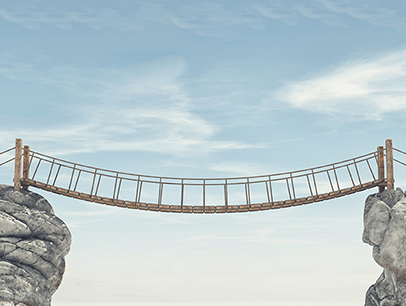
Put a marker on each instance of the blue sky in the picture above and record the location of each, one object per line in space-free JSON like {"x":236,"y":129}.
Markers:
{"x":207,"y":89}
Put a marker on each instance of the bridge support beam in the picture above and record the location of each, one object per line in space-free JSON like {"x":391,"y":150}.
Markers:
{"x":26,"y":165}
{"x":381,"y":167}
{"x":17,"y":164}
{"x":389,"y":165}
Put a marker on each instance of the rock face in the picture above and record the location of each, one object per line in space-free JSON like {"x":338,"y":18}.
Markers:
{"x":33,"y":244}
{"x":385,"y":230}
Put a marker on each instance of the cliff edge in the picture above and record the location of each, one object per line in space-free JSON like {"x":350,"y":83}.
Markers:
{"x":33,"y":244}
{"x":385,"y":231}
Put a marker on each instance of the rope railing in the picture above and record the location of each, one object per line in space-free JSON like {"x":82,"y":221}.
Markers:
{"x":8,"y":150}
{"x":203,"y":195}
{"x":9,"y":160}
{"x":256,"y":192}
{"x":396,"y":160}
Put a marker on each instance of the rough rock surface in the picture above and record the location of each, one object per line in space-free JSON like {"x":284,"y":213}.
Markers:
{"x":33,"y":244}
{"x":385,"y":230}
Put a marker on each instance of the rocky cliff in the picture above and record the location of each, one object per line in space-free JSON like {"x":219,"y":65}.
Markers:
{"x":385,"y":230}
{"x":33,"y":244}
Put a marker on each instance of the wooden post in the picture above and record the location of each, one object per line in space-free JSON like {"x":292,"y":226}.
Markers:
{"x":17,"y":164}
{"x":26,"y":165}
{"x":389,"y":165}
{"x":381,"y":167}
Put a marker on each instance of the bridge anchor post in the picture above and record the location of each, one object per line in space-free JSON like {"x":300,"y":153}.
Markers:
{"x":26,"y":165}
{"x":17,"y":164}
{"x":389,"y":165}
{"x":381,"y":168}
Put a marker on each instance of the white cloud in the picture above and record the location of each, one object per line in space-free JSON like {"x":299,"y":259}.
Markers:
{"x":364,"y":89}
{"x":206,"y":18}
{"x":96,"y":19}
{"x":371,"y":12}
{"x":320,"y":14}
{"x":203,"y":19}
{"x":331,"y":12}
{"x":286,"y":16}
{"x":137,"y":109}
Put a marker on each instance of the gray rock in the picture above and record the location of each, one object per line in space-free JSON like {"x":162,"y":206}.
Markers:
{"x":376,"y":222}
{"x":385,"y":230}
{"x":33,"y":244}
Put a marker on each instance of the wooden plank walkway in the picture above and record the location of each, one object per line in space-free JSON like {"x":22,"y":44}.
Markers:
{"x":203,"y":195}
{"x":208,"y":209}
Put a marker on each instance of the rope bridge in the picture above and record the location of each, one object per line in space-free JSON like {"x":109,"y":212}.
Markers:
{"x":202,"y":195}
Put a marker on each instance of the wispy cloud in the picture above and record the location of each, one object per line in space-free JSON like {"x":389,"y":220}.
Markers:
{"x":284,"y":15}
{"x":32,"y":15}
{"x":203,"y":18}
{"x":320,"y":14}
{"x":363,"y":89}
{"x":65,"y":20}
{"x":136,"y":109}
{"x":334,"y":13}
{"x":374,"y":12}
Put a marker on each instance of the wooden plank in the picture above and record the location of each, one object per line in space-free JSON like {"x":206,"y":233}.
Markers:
{"x":199,"y":209}
{"x":129,"y":204}
{"x":121,"y":205}
{"x":210,"y":209}
{"x":255,"y":208}
{"x":187,"y":209}
{"x":203,"y":209}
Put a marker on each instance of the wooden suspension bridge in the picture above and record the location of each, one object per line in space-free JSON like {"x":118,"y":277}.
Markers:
{"x":203,"y":195}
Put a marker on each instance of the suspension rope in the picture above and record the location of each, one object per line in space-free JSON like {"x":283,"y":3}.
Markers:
{"x":399,"y":151}
{"x":7,"y":150}
{"x":7,"y":161}
{"x":399,"y":162}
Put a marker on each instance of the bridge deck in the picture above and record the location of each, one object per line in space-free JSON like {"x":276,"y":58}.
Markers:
{"x":203,"y":209}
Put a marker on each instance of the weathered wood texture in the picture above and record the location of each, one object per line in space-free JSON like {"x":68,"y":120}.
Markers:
{"x":203,"y":209}
{"x":17,"y":164}
{"x":381,"y":167}
{"x":26,"y":164}
{"x":389,"y":165}
{"x":245,"y":206}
